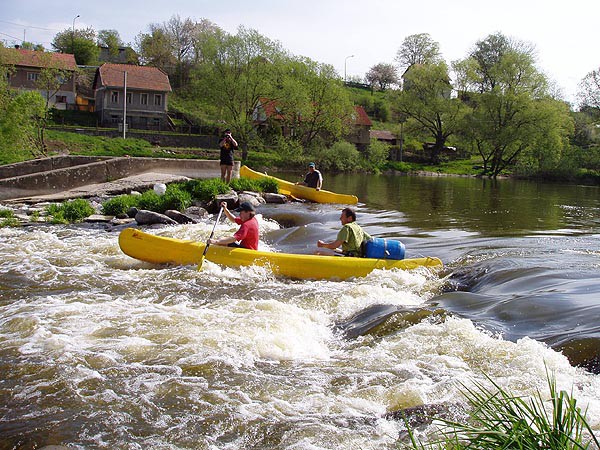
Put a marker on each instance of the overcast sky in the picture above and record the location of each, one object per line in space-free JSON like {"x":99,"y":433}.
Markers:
{"x":566,"y":35}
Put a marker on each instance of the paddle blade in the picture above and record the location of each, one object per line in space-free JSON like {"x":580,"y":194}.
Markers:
{"x":200,"y":263}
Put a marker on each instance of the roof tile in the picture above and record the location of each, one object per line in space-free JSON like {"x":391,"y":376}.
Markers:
{"x":138,"y":77}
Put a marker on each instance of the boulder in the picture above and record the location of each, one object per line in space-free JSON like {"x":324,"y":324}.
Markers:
{"x":254,"y":200}
{"x":196,"y":212}
{"x":145,"y":217}
{"x":274,"y":198}
{"x":179,"y":217}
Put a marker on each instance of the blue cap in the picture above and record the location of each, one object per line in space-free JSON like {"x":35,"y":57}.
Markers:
{"x":311,"y":164}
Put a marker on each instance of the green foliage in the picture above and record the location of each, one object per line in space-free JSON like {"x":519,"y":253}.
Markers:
{"x":340,"y":156}
{"x":151,"y":201}
{"x":247,"y":184}
{"x":499,"y":419}
{"x":81,"y":144}
{"x":206,"y":190}
{"x":20,"y":118}
{"x":8,"y":219}
{"x":81,"y":43}
{"x":119,"y":205}
{"x":176,"y":197}
{"x":70,"y":212}
{"x":378,"y":153}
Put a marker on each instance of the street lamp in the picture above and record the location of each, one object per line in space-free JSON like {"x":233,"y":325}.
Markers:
{"x":345,"y":60}
{"x":73,"y":35}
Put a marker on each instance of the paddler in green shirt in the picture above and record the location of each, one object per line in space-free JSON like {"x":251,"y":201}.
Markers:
{"x":349,"y":238}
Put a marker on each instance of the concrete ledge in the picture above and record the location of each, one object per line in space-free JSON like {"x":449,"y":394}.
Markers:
{"x":45,"y":164}
{"x":59,"y":180}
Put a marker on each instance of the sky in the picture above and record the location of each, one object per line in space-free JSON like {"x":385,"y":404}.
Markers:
{"x":351,"y":35}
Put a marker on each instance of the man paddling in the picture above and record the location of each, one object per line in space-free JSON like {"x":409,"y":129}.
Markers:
{"x":247,"y":235}
{"x":350,"y":238}
{"x":313,"y":178}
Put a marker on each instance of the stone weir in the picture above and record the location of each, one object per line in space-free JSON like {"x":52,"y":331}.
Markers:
{"x":89,"y":176}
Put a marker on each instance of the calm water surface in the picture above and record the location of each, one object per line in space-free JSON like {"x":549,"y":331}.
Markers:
{"x":103,"y":351}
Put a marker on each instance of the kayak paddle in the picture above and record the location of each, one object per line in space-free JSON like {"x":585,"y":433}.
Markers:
{"x":209,"y":238}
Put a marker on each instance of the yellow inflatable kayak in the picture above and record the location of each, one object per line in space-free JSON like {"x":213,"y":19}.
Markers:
{"x":305,"y":192}
{"x":163,"y":250}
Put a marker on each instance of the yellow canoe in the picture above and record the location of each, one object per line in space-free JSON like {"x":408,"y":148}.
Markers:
{"x":163,"y":250}
{"x":305,"y":192}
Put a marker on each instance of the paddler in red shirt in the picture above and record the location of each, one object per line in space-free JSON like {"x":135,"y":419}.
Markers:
{"x":247,"y":235}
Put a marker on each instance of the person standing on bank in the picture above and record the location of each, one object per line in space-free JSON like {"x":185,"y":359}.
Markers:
{"x":247,"y":235}
{"x":227,"y":145}
{"x":350,"y":238}
{"x":313,"y":178}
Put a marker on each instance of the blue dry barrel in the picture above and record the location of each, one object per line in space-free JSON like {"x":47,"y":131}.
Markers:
{"x":380,"y":248}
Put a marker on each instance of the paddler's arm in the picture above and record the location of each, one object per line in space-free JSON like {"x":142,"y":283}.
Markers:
{"x":332,"y":245}
{"x":227,"y":212}
{"x":225,"y":240}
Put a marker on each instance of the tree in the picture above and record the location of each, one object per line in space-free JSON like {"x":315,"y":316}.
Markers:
{"x":313,"y":101}
{"x":53,"y":75}
{"x":382,"y":75}
{"x":427,"y":101}
{"x":169,"y":46}
{"x":418,"y":49}
{"x":31,"y":46}
{"x":589,"y":90}
{"x":510,"y":104}
{"x":111,"y":40}
{"x":237,"y":71}
{"x":81,"y":43}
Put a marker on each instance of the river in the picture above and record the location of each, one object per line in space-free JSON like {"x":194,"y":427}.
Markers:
{"x":99,"y":350}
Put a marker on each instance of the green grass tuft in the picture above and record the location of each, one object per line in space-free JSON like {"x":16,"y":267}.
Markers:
{"x":500,"y":420}
{"x":70,"y":212}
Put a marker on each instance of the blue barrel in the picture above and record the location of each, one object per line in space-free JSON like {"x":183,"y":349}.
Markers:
{"x":379,"y":248}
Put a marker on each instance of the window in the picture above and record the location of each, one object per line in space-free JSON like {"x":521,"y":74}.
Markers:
{"x":144,"y":99}
{"x":115,"y":119}
{"x":157,"y":99}
{"x":114,"y":97}
{"x":61,"y":99}
{"x":60,"y":79}
{"x":129,"y":97}
{"x":33,"y":76}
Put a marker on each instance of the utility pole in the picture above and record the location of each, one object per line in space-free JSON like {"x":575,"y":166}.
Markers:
{"x":124,"y":103}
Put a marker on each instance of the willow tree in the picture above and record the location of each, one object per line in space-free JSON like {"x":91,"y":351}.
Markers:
{"x":236,"y":71}
{"x":313,"y":102}
{"x":426,"y":99}
{"x":511,"y":107}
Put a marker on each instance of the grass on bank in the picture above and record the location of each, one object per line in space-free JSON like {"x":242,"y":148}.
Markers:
{"x":180,"y":196}
{"x":500,"y":420}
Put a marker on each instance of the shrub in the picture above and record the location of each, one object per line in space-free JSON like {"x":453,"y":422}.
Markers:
{"x":8,"y":218}
{"x":150,"y":200}
{"x":175,"y":198}
{"x":378,"y":153}
{"x":341,"y":156}
{"x":262,"y":185}
{"x":119,"y":205}
{"x":206,"y":190}
{"x":70,"y":212}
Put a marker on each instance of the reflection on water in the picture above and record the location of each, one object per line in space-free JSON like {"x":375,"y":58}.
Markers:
{"x":102,"y":351}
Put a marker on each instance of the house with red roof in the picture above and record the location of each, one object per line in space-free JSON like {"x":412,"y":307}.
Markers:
{"x":27,"y":67}
{"x":268,"y":114}
{"x":361,"y":125}
{"x":141,"y":91}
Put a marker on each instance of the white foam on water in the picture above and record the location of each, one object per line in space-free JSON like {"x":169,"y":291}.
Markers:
{"x":189,"y":356}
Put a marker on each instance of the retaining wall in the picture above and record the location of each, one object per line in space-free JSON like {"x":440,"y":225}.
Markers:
{"x":59,"y":180}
